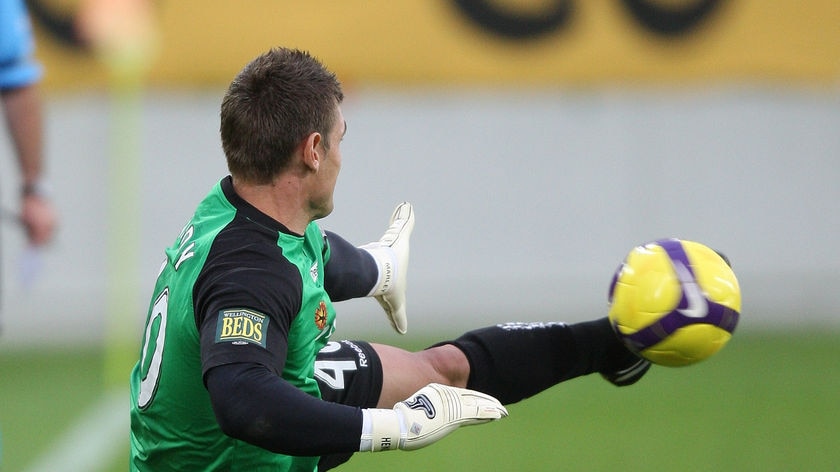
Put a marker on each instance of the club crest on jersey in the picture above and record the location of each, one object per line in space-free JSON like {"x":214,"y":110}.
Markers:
{"x":241,"y":326}
{"x":321,"y":315}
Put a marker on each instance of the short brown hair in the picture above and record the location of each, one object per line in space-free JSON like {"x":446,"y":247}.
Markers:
{"x":277,"y":100}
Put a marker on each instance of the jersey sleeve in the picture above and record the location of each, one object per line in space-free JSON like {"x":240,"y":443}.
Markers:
{"x":350,"y":272}
{"x":262,"y":409}
{"x":245,"y":305}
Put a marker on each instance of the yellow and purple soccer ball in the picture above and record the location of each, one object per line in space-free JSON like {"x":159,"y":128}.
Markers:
{"x":674,"y":302}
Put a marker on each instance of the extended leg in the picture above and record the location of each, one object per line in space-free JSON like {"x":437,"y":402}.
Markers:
{"x":511,"y":361}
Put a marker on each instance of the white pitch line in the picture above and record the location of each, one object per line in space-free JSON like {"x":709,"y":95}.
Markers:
{"x":93,"y":441}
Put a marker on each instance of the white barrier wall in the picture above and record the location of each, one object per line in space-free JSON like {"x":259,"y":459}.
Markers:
{"x":526,"y":201}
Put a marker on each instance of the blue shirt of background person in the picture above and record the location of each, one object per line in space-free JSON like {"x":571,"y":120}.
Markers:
{"x":17,"y":45}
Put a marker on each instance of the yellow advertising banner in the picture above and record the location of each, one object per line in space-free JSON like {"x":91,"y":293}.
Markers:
{"x":545,"y":43}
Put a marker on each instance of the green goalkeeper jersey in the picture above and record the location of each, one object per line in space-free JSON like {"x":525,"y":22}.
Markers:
{"x":236,"y":286}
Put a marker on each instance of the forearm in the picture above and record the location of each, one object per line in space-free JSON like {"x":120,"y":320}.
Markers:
{"x":256,"y":406}
{"x":23,"y":111}
{"x":253,"y":405}
{"x":22,"y":106}
{"x":351,"y":272}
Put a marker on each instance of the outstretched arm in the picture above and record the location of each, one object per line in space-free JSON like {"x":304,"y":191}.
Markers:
{"x":351,"y":272}
{"x":378,"y":269}
{"x":256,"y":406}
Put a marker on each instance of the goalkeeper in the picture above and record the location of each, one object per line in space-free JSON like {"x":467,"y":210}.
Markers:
{"x":236,"y":370}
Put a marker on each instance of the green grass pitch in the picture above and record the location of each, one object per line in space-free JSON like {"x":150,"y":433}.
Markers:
{"x":768,"y":402}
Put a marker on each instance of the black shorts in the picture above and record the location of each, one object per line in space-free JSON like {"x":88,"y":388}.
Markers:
{"x":350,"y":373}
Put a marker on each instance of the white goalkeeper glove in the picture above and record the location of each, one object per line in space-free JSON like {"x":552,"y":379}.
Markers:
{"x":427,"y":416}
{"x":391,"y":256}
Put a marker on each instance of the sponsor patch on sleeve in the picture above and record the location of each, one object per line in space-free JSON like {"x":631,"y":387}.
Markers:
{"x":240,"y":326}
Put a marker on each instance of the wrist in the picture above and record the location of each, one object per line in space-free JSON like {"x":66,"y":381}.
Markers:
{"x":382,"y":430}
{"x":385,"y":260}
{"x":35,"y":188}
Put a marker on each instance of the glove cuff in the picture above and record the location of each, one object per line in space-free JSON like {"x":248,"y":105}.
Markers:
{"x":382,"y":430}
{"x":386,"y":261}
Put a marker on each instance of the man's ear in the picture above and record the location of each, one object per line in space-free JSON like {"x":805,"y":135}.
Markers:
{"x":312,"y":154}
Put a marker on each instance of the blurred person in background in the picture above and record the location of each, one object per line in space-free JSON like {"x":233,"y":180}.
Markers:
{"x":19,"y":77}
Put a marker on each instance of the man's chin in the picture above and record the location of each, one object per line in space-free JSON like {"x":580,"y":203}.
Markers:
{"x":324,"y":211}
